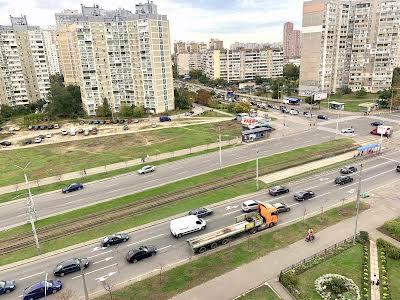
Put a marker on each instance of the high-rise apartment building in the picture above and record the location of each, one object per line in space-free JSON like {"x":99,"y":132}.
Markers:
{"x":291,"y":41}
{"x":349,"y":43}
{"x":117,"y":55}
{"x":216,"y":44}
{"x":50,"y":46}
{"x":24,"y":74}
{"x":195,"y":47}
{"x":179,"y":47}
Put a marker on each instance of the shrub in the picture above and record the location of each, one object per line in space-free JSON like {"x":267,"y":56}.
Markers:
{"x":393,"y":228}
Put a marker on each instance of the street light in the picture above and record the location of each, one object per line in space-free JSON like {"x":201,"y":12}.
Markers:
{"x":83,"y":280}
{"x":357,"y":203}
{"x":31,"y":208}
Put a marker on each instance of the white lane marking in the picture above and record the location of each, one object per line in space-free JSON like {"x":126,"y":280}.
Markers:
{"x":105,"y":277}
{"x":231,"y":207}
{"x":100,"y":254}
{"x":164,"y":247}
{"x":23,"y":278}
{"x":369,"y":178}
{"x":351,"y":191}
{"x":113,"y":265}
{"x":103,"y":260}
{"x":232,"y":212}
{"x":323,"y":179}
{"x":390,"y":159}
{"x":153,"y":237}
{"x":98,"y":248}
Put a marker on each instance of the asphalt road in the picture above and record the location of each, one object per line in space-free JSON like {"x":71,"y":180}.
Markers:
{"x":14,"y":213}
{"x":109,"y":264}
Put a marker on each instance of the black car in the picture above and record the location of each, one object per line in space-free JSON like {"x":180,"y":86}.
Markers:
{"x":35,"y":127}
{"x":322,"y":117}
{"x":278,"y":190}
{"x":70,"y":266}
{"x":73,"y":187}
{"x":90,"y":122}
{"x":7,"y":286}
{"x":343,"y":179}
{"x":5,"y":143}
{"x":43,"y":127}
{"x":281,"y":207}
{"x":140,"y":253}
{"x":41,"y":136}
{"x":114,"y":239}
{"x":377,"y":123}
{"x":201,"y":212}
{"x":398,"y":168}
{"x":348,"y":170}
{"x":304,"y":195}
{"x":28,"y":142}
{"x":51,"y":126}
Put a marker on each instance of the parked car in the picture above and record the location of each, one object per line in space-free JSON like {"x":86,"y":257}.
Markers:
{"x":348,"y":130}
{"x":281,"y":207}
{"x":153,"y":125}
{"x":81,"y":122}
{"x":278,"y":190}
{"x":64,"y":132}
{"x":80,"y":130}
{"x":377,"y":123}
{"x":28,"y":142}
{"x":294,"y":112}
{"x":398,"y":168}
{"x":165,"y":119}
{"x":30,"y":127}
{"x":5,"y":143}
{"x":249,"y":205}
{"x":126,"y":127}
{"x":42,"y":289}
{"x":140,"y":253}
{"x":51,"y":126}
{"x":147,"y":169}
{"x":7,"y":286}
{"x":90,"y":122}
{"x":17,"y":128}
{"x":49,"y":135}
{"x":307,"y":114}
{"x":136,"y":121}
{"x":343,"y":179}
{"x":86,"y":132}
{"x":72,"y":188}
{"x":56,"y":126}
{"x":43,"y":127}
{"x":72,"y":131}
{"x":114,"y":239}
{"x":11,"y":129}
{"x":70,"y":266}
{"x":322,"y":117}
{"x":348,"y":170}
{"x":42,"y":136}
{"x":188,"y":114}
{"x":201,"y":212}
{"x":38,"y":140}
{"x":304,"y":195}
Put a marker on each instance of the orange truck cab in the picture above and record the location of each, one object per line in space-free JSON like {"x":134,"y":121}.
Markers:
{"x":268,"y":213}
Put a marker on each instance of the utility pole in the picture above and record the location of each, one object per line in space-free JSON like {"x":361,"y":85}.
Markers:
{"x":84,"y":280}
{"x":220,"y":147}
{"x":257,"y":182}
{"x":391,"y":100}
{"x":358,"y":203}
{"x":45,"y":285}
{"x":31,"y":208}
{"x":337,"y":124}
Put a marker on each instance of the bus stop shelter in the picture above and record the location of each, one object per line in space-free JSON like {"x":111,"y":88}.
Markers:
{"x":252,"y":135}
{"x":336,"y":105}
{"x":368,"y":149}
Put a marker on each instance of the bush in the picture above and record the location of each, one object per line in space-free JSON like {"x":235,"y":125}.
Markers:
{"x":393,"y":228}
{"x":289,"y":278}
{"x":363,"y":237}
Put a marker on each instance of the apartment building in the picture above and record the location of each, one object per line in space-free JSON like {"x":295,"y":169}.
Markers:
{"x":189,"y":61}
{"x":215,"y":44}
{"x":50,"y":46}
{"x":349,"y":43}
{"x":117,"y":55}
{"x":24,"y":74}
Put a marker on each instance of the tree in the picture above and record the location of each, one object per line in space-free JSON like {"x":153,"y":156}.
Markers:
{"x":203,"y":97}
{"x":345,"y":90}
{"x":259,"y":80}
{"x":138,"y":112}
{"x":291,"y":72}
{"x":385,"y":94}
{"x":104,"y":111}
{"x":183,"y":98}
{"x":126,"y":111}
{"x":361,"y":93}
{"x":242,"y":107}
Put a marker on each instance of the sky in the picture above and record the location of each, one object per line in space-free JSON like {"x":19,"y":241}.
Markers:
{"x":190,"y":20}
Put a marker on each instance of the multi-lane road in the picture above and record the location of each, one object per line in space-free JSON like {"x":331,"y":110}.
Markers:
{"x":109,"y":264}
{"x":14,"y":213}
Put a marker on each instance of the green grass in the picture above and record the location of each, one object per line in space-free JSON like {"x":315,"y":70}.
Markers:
{"x":212,"y":114}
{"x":59,"y":185}
{"x":352,"y":96}
{"x":347,"y":263}
{"x":52,"y":160}
{"x":392,"y":229}
{"x":351,"y":101}
{"x":393,"y":272}
{"x":261,"y":293}
{"x":207,"y":267}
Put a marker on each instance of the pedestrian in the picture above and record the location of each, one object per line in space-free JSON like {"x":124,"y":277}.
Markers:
{"x":84,"y":171}
{"x":377,"y":282}
{"x":373,"y":279}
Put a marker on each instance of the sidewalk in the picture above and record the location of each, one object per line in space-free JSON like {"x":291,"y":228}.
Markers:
{"x":268,"y":267}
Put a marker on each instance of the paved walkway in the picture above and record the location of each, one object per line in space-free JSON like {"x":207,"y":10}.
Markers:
{"x":306,"y":167}
{"x":268,"y":267}
{"x":374,"y":267}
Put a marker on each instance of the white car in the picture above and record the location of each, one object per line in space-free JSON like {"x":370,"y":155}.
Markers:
{"x":38,"y":140}
{"x":249,"y":205}
{"x":294,"y":112}
{"x":56,"y":126}
{"x":147,"y":169}
{"x":348,"y":130}
{"x":64,"y":132}
{"x":307,"y":114}
{"x":48,"y":135}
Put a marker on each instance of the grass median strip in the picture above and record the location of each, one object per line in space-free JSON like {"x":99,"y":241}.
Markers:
{"x":261,"y":293}
{"x":207,"y":267}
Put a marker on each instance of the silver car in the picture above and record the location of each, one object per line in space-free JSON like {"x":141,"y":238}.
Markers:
{"x":249,"y":205}
{"x":147,"y":169}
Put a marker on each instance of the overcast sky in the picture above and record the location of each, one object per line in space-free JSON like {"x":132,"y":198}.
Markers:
{"x":190,"y":20}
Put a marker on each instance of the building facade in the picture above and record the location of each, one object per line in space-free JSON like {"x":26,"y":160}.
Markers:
{"x":117,"y":55}
{"x":51,"y":48}
{"x":24,"y":74}
{"x":349,"y":43}
{"x":291,"y":41}
{"x":215,"y":44}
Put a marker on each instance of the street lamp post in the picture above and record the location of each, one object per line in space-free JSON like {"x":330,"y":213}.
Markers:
{"x":84,"y":280}
{"x":257,"y":181}
{"x":358,"y":203}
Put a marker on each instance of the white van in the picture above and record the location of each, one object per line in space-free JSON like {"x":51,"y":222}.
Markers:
{"x":186,"y":225}
{"x":72,"y":131}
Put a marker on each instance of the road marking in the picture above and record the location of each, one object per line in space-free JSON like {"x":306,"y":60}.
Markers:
{"x":146,"y":239}
{"x":105,"y":277}
{"x":98,"y":248}
{"x":100,"y":261}
{"x":164,"y":247}
{"x":113,"y":265}
{"x":23,"y":278}
{"x":351,"y":191}
{"x":372,"y":177}
{"x":390,"y":159}
{"x":231,"y":207}
{"x":100,"y":254}
{"x":232,"y":212}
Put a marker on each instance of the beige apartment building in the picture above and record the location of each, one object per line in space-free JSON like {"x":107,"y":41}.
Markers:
{"x":121,"y":56}
{"x":24,"y":74}
{"x":349,"y":43}
{"x":51,"y":48}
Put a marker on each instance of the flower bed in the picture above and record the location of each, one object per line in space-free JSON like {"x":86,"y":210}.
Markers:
{"x":387,"y":252}
{"x":337,"y":287}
